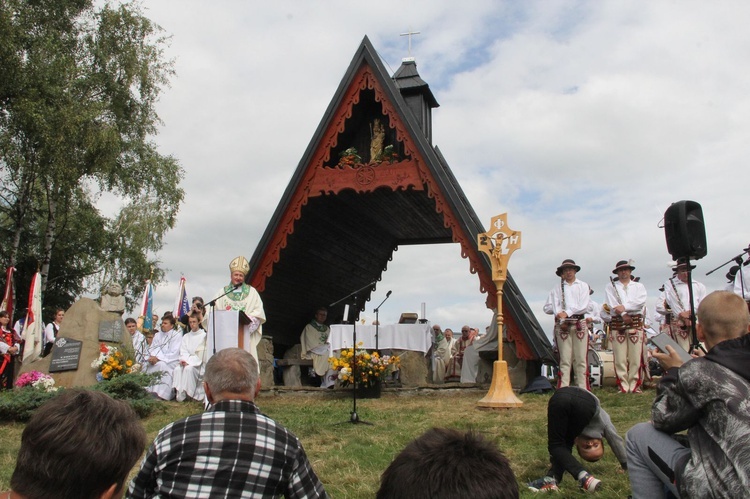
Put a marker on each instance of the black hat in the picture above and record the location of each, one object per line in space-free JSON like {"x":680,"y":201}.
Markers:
{"x":732,"y":272}
{"x":565,"y":264}
{"x":538,"y":385}
{"x":623,"y":264}
{"x":682,"y":264}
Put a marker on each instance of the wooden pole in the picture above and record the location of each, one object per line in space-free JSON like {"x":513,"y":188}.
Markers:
{"x":499,"y":243}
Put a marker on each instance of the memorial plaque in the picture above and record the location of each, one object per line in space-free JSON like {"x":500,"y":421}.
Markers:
{"x":111,"y":331}
{"x":65,"y":355}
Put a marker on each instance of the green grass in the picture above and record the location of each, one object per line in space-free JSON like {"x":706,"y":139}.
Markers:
{"x":349,"y":458}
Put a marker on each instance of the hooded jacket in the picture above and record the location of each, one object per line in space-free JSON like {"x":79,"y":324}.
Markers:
{"x":710,"y":397}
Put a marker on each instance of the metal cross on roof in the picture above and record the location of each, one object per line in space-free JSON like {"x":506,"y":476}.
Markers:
{"x":409,"y":34}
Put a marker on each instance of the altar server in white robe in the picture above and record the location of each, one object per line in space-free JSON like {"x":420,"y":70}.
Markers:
{"x":188,"y":375}
{"x":140,"y":345}
{"x":162,"y":357}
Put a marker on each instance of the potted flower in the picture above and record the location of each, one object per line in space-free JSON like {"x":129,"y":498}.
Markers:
{"x":389,"y":154}
{"x":349,"y":157}
{"x":38,"y":380}
{"x":365,"y":369}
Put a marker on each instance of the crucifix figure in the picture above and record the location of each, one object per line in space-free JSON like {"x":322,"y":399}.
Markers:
{"x":498,"y":244}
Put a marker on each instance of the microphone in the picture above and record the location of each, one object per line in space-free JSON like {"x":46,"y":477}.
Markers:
{"x":237,"y":286}
{"x":388,"y":294}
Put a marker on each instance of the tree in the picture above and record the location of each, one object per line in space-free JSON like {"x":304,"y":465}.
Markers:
{"x":77,"y":117}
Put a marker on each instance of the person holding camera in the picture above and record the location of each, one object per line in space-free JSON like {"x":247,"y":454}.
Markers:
{"x":199,"y":309}
{"x":706,"y":396}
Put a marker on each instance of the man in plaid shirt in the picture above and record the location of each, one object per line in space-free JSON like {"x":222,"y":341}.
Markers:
{"x":231,"y":450}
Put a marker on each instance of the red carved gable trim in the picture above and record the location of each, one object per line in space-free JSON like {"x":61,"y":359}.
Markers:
{"x":523,"y":351}
{"x":409,"y":173}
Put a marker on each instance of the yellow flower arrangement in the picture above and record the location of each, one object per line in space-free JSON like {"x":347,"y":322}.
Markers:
{"x":113,"y":362}
{"x":370,"y":367}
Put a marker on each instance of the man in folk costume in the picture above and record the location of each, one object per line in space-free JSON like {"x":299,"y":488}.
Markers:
{"x":677,"y":303}
{"x":627,"y":298}
{"x":593,"y":316}
{"x":316,"y":347}
{"x":568,"y":303}
{"x":240,"y":296}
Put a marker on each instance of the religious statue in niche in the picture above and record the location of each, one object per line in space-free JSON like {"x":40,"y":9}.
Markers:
{"x":379,"y":152}
{"x":377,"y":140}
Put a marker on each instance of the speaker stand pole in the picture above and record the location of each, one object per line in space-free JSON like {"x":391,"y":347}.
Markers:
{"x":693,"y":333}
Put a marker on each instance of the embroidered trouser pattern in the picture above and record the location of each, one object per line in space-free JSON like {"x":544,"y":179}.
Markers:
{"x":679,"y":330}
{"x":627,"y":349}
{"x":573,"y":343}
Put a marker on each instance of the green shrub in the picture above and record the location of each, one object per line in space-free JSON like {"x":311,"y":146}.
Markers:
{"x":20,"y":404}
{"x":132,"y":389}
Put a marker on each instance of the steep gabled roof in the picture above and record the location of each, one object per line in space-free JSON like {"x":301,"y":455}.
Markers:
{"x":370,"y":181}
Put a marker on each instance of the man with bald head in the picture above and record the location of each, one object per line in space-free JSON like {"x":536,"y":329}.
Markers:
{"x":231,"y":450}
{"x":708,"y":397}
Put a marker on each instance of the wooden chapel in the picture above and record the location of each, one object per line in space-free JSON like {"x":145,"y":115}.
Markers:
{"x":370,"y":181}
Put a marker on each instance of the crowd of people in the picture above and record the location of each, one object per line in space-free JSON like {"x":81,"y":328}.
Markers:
{"x":626,"y":318}
{"x":232,"y":449}
{"x":11,"y":344}
{"x":178,"y":349}
{"x":448,"y":353}
{"x":705,"y":396}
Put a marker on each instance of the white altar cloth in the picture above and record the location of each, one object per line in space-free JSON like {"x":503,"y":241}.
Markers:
{"x":415,"y":337}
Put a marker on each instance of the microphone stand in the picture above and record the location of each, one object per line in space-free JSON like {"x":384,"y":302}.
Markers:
{"x":211,"y":304}
{"x":354,"y":417}
{"x":737,"y":259}
{"x":377,"y":319}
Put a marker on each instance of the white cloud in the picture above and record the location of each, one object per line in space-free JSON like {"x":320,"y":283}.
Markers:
{"x":582,"y":120}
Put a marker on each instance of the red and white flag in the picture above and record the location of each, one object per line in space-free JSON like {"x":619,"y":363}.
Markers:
{"x":33,"y":332}
{"x":7,"y":304}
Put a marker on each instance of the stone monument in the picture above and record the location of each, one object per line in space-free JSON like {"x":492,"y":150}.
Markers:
{"x":81,"y":323}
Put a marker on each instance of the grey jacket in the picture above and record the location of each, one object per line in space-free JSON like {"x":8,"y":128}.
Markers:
{"x":710,"y":397}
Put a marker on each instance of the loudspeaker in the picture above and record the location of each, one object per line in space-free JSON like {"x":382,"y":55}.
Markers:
{"x":685,"y":231}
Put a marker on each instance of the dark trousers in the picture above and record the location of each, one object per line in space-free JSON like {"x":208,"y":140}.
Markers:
{"x":569,"y":411}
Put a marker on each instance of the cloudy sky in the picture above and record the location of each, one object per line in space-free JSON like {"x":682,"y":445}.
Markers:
{"x":582,"y":120}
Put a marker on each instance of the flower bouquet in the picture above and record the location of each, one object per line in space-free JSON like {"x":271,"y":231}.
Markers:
{"x":349,"y":157}
{"x":38,"y":380}
{"x":370,"y":367}
{"x":113,"y":362}
{"x":389,"y":154}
